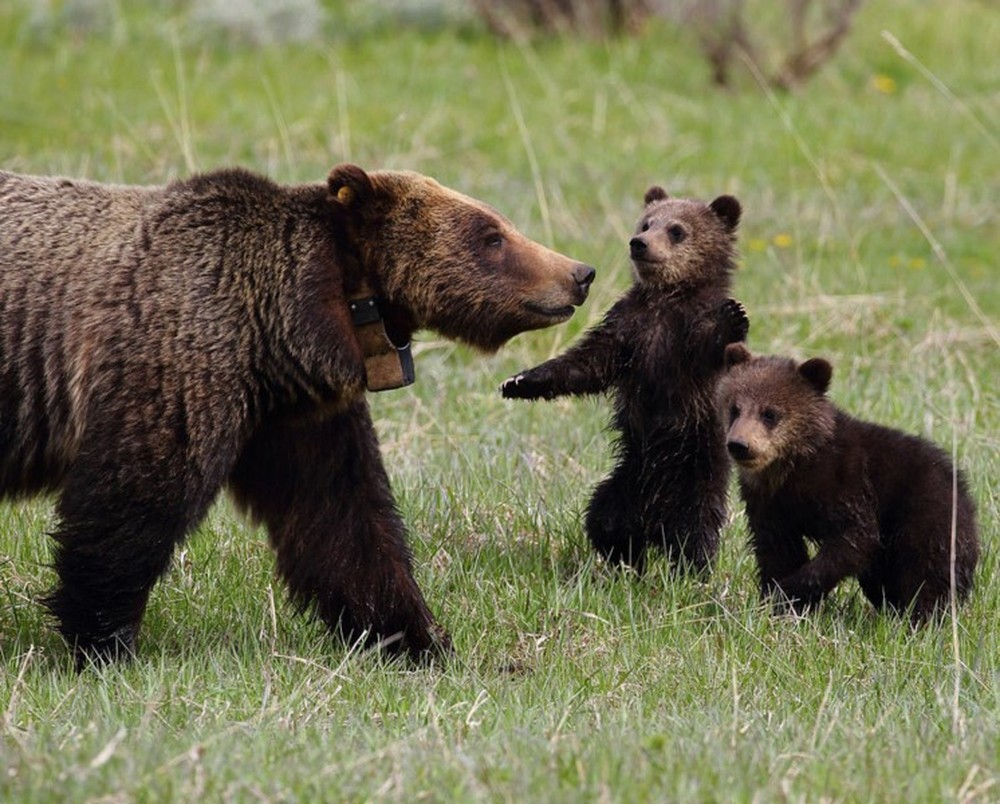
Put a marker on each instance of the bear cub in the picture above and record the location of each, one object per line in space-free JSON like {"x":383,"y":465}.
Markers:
{"x":880,"y":504}
{"x":659,"y":350}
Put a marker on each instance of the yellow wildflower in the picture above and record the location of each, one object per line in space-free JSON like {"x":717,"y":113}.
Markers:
{"x":884,"y":84}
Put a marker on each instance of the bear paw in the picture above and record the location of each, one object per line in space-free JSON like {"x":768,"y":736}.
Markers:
{"x":523,"y":386}
{"x":791,"y":596}
{"x":733,"y":324}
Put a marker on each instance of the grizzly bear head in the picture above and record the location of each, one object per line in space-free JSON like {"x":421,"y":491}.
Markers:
{"x":775,"y":411}
{"x":447,"y":262}
{"x":678,"y":240}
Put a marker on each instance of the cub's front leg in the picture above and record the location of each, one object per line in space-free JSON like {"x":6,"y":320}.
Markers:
{"x":589,"y":367}
{"x":837,"y":559}
{"x":778,"y":547}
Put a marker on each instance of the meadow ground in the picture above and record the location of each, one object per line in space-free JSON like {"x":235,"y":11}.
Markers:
{"x":870,"y":236}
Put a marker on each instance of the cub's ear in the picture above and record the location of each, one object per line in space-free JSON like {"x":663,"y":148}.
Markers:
{"x":735,"y":354}
{"x":349,"y":185}
{"x":817,"y":372}
{"x":654,"y":194}
{"x":728,"y":210}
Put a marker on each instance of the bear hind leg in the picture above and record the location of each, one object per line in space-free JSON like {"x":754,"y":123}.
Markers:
{"x":611,"y":523}
{"x":106,"y":569}
{"x":689,"y":535}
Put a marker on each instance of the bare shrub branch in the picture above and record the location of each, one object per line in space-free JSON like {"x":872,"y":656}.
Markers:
{"x":816,"y":29}
{"x":786,"y":46}
{"x":807,"y":57}
{"x":515,"y":19}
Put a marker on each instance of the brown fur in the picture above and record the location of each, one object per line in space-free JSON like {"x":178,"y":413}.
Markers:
{"x":879,"y":503}
{"x":659,"y":350}
{"x":160,"y":343}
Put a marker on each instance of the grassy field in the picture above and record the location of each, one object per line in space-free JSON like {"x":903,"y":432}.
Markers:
{"x":870,"y":236}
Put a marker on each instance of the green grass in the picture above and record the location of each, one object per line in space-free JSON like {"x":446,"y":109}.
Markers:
{"x":869,"y":236}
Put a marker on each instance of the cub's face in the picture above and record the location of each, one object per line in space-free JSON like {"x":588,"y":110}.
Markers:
{"x":678,"y":239}
{"x":774,"y":410}
{"x":454,"y":263}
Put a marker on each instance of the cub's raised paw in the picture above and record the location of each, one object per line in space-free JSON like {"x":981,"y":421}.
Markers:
{"x":733,"y":324}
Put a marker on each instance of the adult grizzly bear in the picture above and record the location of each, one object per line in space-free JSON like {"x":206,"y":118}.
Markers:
{"x":659,"y":349}
{"x":158,"y":344}
{"x":885,"y":507}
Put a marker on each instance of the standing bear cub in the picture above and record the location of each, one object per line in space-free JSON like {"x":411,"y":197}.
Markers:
{"x":885,"y":507}
{"x":660,"y":349}
{"x":158,"y":344}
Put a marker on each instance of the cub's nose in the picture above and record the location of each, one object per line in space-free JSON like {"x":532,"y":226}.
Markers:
{"x":584,"y":276}
{"x":739,"y":450}
{"x":637,"y":246}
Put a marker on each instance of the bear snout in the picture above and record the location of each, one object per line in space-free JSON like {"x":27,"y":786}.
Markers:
{"x":637,"y":247}
{"x":583,"y":275}
{"x":740,"y":450}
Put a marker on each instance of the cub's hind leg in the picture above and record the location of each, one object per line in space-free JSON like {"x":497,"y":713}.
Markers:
{"x":611,"y":522}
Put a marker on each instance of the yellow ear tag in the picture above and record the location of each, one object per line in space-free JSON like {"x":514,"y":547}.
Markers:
{"x":345,"y":195}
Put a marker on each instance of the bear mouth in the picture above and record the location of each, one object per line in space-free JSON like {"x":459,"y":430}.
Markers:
{"x":553,"y":313}
{"x":753,"y":466}
{"x":646,"y":268}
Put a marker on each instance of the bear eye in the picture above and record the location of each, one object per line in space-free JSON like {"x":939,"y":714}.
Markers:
{"x":494,"y":240}
{"x":770,"y":417}
{"x":734,"y":413}
{"x":676,"y":233}
{"x":644,"y":227}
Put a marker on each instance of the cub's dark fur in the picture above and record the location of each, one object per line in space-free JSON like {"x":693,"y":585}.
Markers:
{"x":158,"y":344}
{"x":879,"y":503}
{"x":659,"y":350}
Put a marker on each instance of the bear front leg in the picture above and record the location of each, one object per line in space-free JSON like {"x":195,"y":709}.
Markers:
{"x":589,"y":367}
{"x":840,"y":556}
{"x":322,"y":491}
{"x":779,"y":552}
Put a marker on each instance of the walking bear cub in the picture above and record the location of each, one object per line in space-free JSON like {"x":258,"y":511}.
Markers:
{"x":880,"y":504}
{"x":660,"y":350}
{"x":159,"y":344}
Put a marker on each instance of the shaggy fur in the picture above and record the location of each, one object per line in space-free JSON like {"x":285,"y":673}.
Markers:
{"x":158,"y":344}
{"x":879,"y":503}
{"x":659,"y":350}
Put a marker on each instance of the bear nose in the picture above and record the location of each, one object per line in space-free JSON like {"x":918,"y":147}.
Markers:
{"x":637,"y":246}
{"x":584,"y":275}
{"x":738,"y":449}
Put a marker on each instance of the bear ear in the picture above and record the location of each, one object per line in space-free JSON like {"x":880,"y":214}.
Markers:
{"x":735,"y":354}
{"x":817,"y":372}
{"x":349,"y":185}
{"x":728,"y":209}
{"x":655,"y":193}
